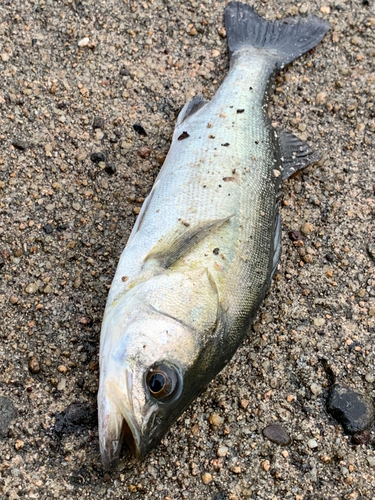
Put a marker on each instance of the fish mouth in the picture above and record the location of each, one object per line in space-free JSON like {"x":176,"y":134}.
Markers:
{"x":116,"y":427}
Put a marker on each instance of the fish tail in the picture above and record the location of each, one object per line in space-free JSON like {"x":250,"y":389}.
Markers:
{"x":284,"y":40}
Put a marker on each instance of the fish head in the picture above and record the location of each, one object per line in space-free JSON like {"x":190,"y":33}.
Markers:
{"x":144,"y":360}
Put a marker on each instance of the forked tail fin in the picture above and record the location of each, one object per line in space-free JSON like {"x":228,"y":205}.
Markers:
{"x":285,"y":40}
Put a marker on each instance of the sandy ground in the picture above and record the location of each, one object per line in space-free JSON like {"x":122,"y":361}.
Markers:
{"x":75,"y":77}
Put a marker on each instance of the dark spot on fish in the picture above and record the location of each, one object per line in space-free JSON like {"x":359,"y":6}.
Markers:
{"x":225,"y":144}
{"x":204,"y":186}
{"x":183,"y":136}
{"x":139,"y":129}
{"x":228,"y":179}
{"x":256,"y":142}
{"x":240,"y":111}
{"x":216,"y":251}
{"x":219,"y":185}
{"x":250,"y":88}
{"x":231,"y":107}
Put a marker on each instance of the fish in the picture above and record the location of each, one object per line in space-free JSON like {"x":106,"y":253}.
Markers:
{"x":206,"y":244}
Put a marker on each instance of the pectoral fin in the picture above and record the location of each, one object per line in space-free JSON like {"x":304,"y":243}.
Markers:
{"x":180,"y":241}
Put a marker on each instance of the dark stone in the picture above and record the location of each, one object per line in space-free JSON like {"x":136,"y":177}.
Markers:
{"x":139,"y":129}
{"x":81,"y":382}
{"x":276,"y":434}
{"x":221,"y":496}
{"x":240,"y":111}
{"x":75,"y":418}
{"x":371,"y":250}
{"x":361,"y":438}
{"x":352,"y":410}
{"x":330,"y":257}
{"x":2,"y":262}
{"x":19,"y":144}
{"x":7,"y":414}
{"x":295,"y":236}
{"x":124,"y":72}
{"x":216,"y":251}
{"x":98,"y":122}
{"x":110,"y":169}
{"x":92,"y":174}
{"x":62,"y":227}
{"x":98,"y":157}
{"x":34,"y":41}
{"x":48,"y":229}
{"x":63,"y":104}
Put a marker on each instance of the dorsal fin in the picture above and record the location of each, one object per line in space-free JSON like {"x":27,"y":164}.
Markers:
{"x":177,"y":243}
{"x":190,"y":108}
{"x":295,"y":153}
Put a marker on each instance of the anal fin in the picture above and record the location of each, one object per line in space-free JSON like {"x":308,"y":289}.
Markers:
{"x":295,"y":153}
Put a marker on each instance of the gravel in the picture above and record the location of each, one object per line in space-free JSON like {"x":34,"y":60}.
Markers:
{"x":77,"y":75}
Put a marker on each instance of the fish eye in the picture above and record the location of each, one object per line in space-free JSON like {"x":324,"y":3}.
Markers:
{"x":161,"y":381}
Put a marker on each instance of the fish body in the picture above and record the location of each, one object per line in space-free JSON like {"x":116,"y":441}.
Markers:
{"x":206,"y":243}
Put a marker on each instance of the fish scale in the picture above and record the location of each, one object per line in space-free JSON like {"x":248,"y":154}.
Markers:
{"x":206,"y":243}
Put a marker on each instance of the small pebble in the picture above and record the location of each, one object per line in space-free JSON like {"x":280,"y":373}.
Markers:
{"x":206,"y":478}
{"x":62,"y":369}
{"x":144,"y":151}
{"x":319,"y":322}
{"x":276,"y":434}
{"x":266,"y":465}
{"x":98,"y":157}
{"x":296,"y":236}
{"x":98,"y":123}
{"x":19,"y":444}
{"x":13,"y":299}
{"x":31,"y":288}
{"x":222,"y":451}
{"x":48,"y":228}
{"x":215,"y":419}
{"x":321,"y":98}
{"x":34,"y":365}
{"x":61,"y":385}
{"x":316,"y":389}
{"x":311,"y":443}
{"x":83,"y":42}
{"x":307,"y":228}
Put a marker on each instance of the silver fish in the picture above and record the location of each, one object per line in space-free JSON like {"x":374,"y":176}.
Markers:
{"x":206,"y":243}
